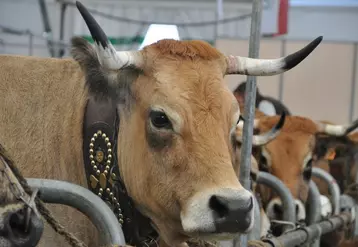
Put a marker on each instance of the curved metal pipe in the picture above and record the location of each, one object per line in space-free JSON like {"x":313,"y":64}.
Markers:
{"x":289,"y":213}
{"x":73,"y":195}
{"x":332,"y":187}
{"x":256,"y":231}
{"x":314,"y":204}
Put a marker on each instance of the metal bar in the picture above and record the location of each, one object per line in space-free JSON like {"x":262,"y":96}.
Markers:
{"x":353,"y":85}
{"x":61,"y":50}
{"x":256,"y":231}
{"x":250,"y":97}
{"x":306,"y":235}
{"x":47,"y":28}
{"x":314,"y":209}
{"x":31,"y":44}
{"x":73,"y":195}
{"x":289,"y":212}
{"x":314,"y":204}
{"x":332,"y":187}
{"x":281,"y":80}
{"x":219,"y":16}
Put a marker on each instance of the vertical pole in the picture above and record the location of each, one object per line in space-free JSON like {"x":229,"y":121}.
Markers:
{"x":250,"y":98}
{"x":353,"y":85}
{"x":219,"y":16}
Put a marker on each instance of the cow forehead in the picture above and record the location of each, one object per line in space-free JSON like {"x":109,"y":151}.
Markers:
{"x":294,"y":143}
{"x":192,"y":86}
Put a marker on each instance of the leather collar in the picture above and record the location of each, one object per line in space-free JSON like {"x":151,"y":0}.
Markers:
{"x":100,"y":132}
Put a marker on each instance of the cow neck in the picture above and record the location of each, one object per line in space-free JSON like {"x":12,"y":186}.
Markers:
{"x":100,"y":132}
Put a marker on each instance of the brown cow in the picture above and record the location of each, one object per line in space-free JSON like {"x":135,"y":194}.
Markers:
{"x":174,"y":149}
{"x":289,"y":157}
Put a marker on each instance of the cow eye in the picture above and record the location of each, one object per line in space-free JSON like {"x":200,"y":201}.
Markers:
{"x":307,"y":171}
{"x":160,"y":120}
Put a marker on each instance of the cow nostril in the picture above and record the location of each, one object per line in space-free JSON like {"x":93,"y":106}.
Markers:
{"x":219,"y":205}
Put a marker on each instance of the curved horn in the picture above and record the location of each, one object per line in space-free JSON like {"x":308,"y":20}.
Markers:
{"x":337,"y":130}
{"x":108,"y":56}
{"x":262,"y":139}
{"x":268,"y":67}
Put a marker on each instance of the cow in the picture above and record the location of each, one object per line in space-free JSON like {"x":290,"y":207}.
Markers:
{"x":19,"y":225}
{"x":265,"y":104}
{"x":289,"y":157}
{"x":173,"y":146}
{"x":338,"y":155}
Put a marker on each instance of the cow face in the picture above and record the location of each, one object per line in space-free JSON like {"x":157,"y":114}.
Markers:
{"x":176,"y":154}
{"x":291,"y":155}
{"x":15,"y":229}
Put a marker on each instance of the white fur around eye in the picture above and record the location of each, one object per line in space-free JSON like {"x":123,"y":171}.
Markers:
{"x":306,"y":159}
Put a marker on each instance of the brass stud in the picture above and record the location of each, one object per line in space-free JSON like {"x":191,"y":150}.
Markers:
{"x":92,"y":139}
{"x":108,"y":190}
{"x":100,"y":194}
{"x":109,"y":151}
{"x":120,"y":221}
{"x":98,"y":172}
{"x":95,"y":135}
{"x":107,"y":167}
{"x":118,"y":205}
{"x":120,"y":216}
{"x":106,"y":139}
{"x":91,"y":151}
{"x":91,"y":157}
{"x":109,"y":145}
{"x":99,"y":132}
{"x":111,"y":195}
{"x":108,"y":162}
{"x":113,"y":176}
{"x":100,"y":190}
{"x":109,"y":156}
{"x":95,"y":168}
{"x":91,"y":145}
{"x":93,"y":162}
{"x":114,"y":199}
{"x":105,"y":172}
{"x":119,"y":210}
{"x":104,"y":135}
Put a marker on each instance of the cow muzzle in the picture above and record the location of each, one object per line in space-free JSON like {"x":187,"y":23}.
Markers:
{"x":219,"y":214}
{"x":20,"y":231}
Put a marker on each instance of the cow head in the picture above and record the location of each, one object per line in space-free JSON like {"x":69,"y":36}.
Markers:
{"x":338,"y":155}
{"x":175,"y":144}
{"x":289,"y":157}
{"x":18,"y":227}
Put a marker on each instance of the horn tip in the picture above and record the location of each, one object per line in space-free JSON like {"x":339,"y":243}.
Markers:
{"x":281,"y":122}
{"x":297,"y":57}
{"x":98,"y":35}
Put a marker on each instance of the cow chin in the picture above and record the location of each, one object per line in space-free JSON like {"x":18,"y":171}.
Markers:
{"x":218,"y":214}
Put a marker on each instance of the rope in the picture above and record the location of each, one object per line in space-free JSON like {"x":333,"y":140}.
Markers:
{"x":72,"y":239}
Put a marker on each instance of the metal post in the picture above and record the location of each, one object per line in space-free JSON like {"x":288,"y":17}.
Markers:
{"x":250,"y":97}
{"x":219,"y":16}
{"x":333,"y":187}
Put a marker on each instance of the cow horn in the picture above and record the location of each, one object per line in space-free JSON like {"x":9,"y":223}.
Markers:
{"x":107,"y":54}
{"x":262,"y":139}
{"x":268,"y":67}
{"x":337,"y":130}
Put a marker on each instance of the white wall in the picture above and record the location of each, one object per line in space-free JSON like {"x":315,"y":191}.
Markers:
{"x":305,"y":23}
